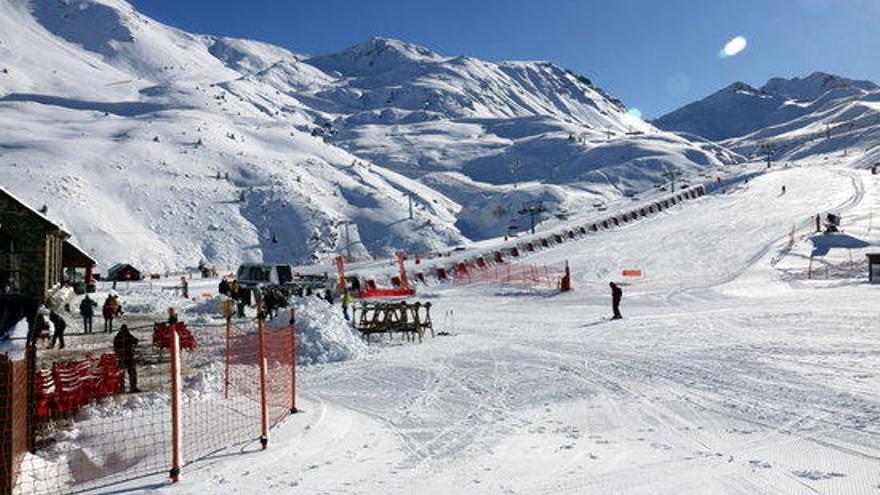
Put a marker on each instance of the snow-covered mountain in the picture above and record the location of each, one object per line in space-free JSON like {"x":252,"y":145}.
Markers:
{"x":161,"y":147}
{"x":798,"y":117}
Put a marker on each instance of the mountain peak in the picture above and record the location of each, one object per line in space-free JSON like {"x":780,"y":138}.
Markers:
{"x":813,"y":86}
{"x":375,"y":54}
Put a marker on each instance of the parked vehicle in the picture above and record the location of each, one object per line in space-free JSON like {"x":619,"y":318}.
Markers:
{"x":261,"y":275}
{"x":279,"y":276}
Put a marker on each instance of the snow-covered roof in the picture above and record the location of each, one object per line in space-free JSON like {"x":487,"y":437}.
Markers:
{"x":36,"y":213}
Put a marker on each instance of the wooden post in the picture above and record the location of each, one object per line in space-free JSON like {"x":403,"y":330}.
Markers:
{"x":264,"y":406}
{"x":6,"y":400}
{"x":293,"y":408}
{"x":30,"y":356}
{"x":175,"y":407}
{"x":228,"y":336}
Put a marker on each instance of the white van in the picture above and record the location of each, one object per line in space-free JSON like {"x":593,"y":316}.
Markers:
{"x":258,"y":275}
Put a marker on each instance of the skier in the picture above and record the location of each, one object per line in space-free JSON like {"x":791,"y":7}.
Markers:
{"x":60,"y":325}
{"x":109,"y":311}
{"x":783,"y":189}
{"x":328,"y":296}
{"x":87,"y":311}
{"x":124,"y":344}
{"x":184,"y":287}
{"x":616,"y":295}
{"x":346,"y":302}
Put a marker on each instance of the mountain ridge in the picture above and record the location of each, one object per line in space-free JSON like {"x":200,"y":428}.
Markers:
{"x":225,"y":149}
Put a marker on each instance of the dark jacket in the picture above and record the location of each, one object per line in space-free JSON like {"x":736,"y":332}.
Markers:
{"x":87,"y":307}
{"x":58,"y":322}
{"x":616,"y":294}
{"x":124,"y":344}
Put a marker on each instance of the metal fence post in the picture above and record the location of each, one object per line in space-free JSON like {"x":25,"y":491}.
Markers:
{"x":175,"y":407}
{"x":264,"y":406}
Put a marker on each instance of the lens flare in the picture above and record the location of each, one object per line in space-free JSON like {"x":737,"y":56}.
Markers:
{"x":633,"y":119}
{"x":733,"y":47}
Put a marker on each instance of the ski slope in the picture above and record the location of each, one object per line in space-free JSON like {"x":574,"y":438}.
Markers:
{"x":725,"y":377}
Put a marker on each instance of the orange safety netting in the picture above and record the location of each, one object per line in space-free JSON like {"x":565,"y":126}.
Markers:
{"x":98,"y":416}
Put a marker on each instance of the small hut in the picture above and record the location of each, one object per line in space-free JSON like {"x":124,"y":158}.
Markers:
{"x":123,"y":272}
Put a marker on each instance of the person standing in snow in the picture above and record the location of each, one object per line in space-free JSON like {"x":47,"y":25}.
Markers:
{"x":226,"y":308}
{"x":124,"y":344}
{"x":184,"y":287}
{"x":60,"y":326}
{"x":109,"y":311}
{"x":224,"y":287}
{"x":616,"y":296}
{"x":346,"y":302}
{"x":39,"y":323}
{"x":87,"y":311}
{"x":328,"y":296}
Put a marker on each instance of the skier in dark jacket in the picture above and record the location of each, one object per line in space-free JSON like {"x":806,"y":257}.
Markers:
{"x":87,"y":311}
{"x":616,"y":295}
{"x":124,"y":344}
{"x":60,"y":326}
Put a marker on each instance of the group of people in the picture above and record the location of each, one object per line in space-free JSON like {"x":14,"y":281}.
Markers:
{"x":44,"y":320}
{"x":271,"y":299}
{"x":237,"y":293}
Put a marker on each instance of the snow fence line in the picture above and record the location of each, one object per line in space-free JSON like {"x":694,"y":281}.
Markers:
{"x":481,"y":268}
{"x":69,"y":426}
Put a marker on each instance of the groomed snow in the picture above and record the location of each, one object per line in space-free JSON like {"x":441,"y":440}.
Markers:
{"x":724,"y":377}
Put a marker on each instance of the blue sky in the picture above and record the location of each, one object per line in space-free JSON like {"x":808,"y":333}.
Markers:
{"x":655,"y":55}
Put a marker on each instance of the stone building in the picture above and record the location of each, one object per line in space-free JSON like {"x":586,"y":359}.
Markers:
{"x":34,"y":250}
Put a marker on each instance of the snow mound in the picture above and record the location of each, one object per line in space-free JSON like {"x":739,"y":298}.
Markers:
{"x":323,"y":335}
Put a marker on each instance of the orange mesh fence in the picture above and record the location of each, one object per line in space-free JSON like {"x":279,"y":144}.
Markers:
{"x":99,"y":416}
{"x":280,"y":369}
{"x":15,"y":422}
{"x":212,"y":417}
{"x":521,"y":274}
{"x":91,"y":430}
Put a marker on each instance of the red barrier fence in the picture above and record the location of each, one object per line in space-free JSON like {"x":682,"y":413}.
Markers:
{"x":227,"y":386}
{"x":521,"y":274}
{"x":65,"y":388}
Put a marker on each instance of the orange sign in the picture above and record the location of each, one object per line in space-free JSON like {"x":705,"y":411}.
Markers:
{"x":632,"y":273}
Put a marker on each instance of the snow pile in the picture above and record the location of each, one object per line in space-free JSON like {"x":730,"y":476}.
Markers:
{"x":14,"y":344}
{"x":323,"y":335}
{"x":207,"y":307}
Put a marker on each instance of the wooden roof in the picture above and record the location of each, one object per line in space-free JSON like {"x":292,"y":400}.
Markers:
{"x":49,"y":222}
{"x":74,"y":257}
